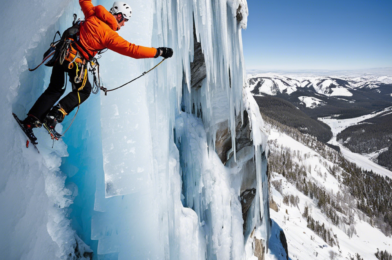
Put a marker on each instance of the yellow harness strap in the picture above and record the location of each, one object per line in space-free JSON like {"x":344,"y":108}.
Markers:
{"x":63,"y":111}
{"x":77,"y":70}
{"x":84,"y":80}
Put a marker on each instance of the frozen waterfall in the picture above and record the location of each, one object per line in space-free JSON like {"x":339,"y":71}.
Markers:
{"x":155,"y":170}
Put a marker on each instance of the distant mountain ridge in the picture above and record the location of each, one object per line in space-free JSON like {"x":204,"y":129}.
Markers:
{"x":271,"y":84}
{"x":300,"y":102}
{"x":321,"y":96}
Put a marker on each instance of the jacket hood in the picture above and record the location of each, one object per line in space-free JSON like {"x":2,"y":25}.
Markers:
{"x":102,"y":14}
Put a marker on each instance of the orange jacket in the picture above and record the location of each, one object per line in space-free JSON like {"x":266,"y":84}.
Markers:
{"x":98,"y":31}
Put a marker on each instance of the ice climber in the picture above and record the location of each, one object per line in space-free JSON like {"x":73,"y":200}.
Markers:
{"x":97,"y":32}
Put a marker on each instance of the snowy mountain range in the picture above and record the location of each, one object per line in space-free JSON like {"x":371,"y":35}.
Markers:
{"x":340,"y":97}
{"x":321,"y":96}
{"x":272,"y":84}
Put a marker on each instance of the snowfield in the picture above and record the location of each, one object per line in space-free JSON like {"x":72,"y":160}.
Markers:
{"x":311,"y":102}
{"x":324,"y":87}
{"x":338,"y":125}
{"x":303,"y":243}
{"x":268,"y":87}
{"x":340,"y":92}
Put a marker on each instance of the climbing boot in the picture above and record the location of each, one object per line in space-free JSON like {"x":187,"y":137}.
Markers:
{"x":29,"y":123}
{"x":55,"y":115}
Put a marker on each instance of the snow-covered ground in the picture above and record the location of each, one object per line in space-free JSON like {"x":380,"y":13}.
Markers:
{"x":338,"y":125}
{"x":374,"y":155}
{"x":323,"y":87}
{"x":311,"y":102}
{"x":303,"y":243}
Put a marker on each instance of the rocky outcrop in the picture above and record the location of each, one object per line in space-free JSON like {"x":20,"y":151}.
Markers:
{"x":259,"y":249}
{"x":246,"y":200}
{"x":198,"y":66}
{"x":258,"y":246}
{"x":273,"y":205}
{"x":243,"y":132}
{"x":223,"y":142}
{"x":239,"y":15}
{"x":244,"y":161}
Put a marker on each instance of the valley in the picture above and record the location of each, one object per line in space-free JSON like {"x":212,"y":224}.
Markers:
{"x":352,"y":114}
{"x":330,"y":192}
{"x":318,"y":196}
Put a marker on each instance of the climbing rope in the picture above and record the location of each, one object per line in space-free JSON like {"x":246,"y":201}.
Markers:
{"x":73,"y":117}
{"x":144,"y":73}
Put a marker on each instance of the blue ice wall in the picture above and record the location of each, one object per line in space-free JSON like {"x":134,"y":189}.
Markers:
{"x":83,"y":166}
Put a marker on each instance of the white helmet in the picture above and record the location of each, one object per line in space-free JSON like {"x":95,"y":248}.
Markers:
{"x":121,"y":7}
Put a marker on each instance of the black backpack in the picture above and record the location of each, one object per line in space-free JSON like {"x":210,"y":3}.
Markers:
{"x":62,"y":45}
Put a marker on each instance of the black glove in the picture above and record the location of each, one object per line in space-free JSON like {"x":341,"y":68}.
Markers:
{"x":164,"y":52}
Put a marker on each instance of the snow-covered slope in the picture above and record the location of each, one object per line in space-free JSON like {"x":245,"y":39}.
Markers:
{"x":311,"y":102}
{"x":338,"y":125}
{"x":353,"y":234}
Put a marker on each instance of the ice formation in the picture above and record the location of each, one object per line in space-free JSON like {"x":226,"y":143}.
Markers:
{"x":137,"y":175}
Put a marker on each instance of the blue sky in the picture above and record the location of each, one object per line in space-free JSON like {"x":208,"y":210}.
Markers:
{"x":318,"y":34}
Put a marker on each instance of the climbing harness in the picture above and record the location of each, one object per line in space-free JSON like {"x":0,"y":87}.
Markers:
{"x":144,"y":73}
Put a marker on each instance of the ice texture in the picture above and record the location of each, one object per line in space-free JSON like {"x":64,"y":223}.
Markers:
{"x":260,"y":217}
{"x":34,"y":196}
{"x":137,"y":175}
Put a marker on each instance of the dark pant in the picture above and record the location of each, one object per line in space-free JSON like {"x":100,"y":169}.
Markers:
{"x":56,"y":89}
